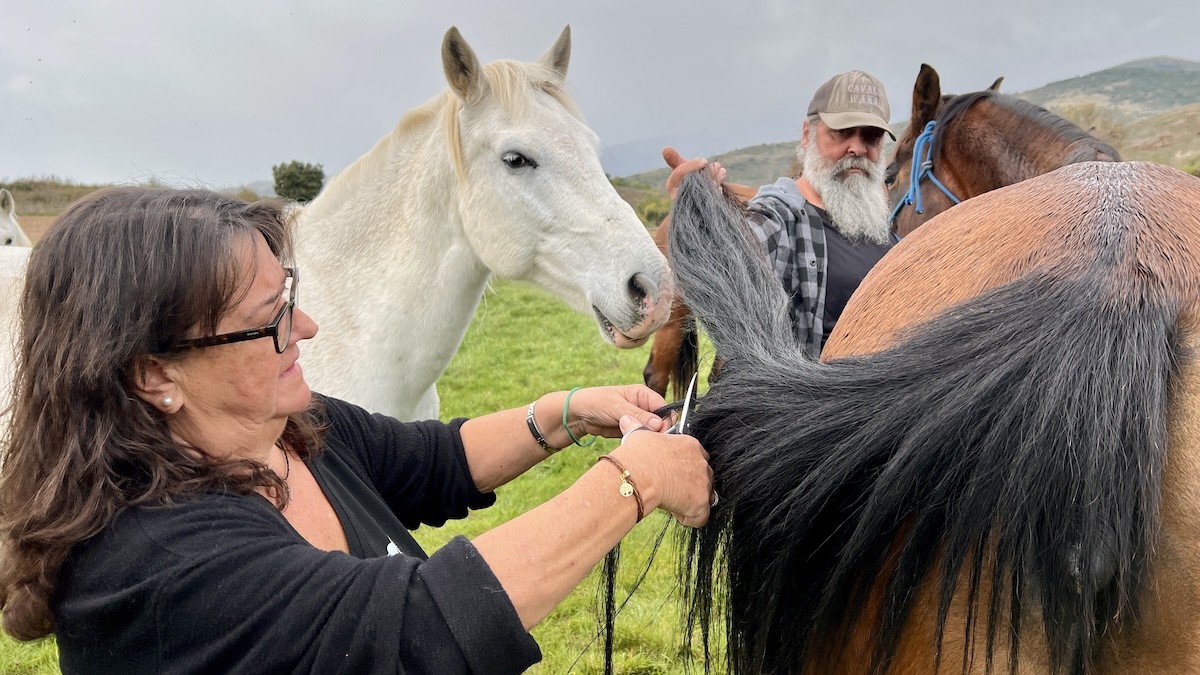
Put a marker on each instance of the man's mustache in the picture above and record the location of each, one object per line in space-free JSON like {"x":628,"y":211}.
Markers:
{"x":862,"y":163}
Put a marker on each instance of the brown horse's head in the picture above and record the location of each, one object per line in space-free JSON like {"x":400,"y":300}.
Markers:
{"x":979,"y":141}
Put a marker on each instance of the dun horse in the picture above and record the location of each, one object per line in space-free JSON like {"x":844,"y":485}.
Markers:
{"x":498,"y":175}
{"x":995,"y":467}
{"x":966,"y":145}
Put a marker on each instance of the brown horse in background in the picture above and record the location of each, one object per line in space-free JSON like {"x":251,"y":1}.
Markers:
{"x":973,"y":143}
{"x":995,"y":467}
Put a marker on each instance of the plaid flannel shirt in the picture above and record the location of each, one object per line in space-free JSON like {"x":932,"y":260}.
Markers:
{"x":794,"y":241}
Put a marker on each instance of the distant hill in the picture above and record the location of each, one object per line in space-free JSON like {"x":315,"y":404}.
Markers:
{"x":1148,"y":109}
{"x":263,"y":188}
{"x":1138,"y":89}
{"x":755,"y":165}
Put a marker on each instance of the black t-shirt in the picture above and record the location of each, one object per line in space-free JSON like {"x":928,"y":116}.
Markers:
{"x":847,"y":263}
{"x":222,"y":583}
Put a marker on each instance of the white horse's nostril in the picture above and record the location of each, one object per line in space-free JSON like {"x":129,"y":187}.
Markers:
{"x":641,"y":286}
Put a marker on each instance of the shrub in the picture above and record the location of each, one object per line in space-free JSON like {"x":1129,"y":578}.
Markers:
{"x":298,"y":180}
{"x":1192,"y":166}
{"x":653,"y":209}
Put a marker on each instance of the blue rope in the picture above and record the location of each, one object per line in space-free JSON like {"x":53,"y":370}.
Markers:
{"x":922,"y":169}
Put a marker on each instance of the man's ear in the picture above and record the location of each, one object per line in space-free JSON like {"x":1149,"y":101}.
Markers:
{"x":805,"y":130}
{"x":153,"y":382}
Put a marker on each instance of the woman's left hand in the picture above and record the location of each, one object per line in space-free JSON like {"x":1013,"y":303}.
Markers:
{"x":598,"y":410}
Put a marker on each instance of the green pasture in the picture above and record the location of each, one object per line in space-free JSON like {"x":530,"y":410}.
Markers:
{"x":521,"y":344}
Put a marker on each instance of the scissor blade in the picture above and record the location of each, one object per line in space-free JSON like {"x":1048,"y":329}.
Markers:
{"x":687,"y":403}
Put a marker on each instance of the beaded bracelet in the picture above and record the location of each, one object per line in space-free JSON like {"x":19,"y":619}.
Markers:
{"x":627,"y":487}
{"x":531,"y":422}
{"x":566,"y":426}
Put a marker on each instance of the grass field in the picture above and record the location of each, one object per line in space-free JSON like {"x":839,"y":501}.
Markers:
{"x":523,"y":343}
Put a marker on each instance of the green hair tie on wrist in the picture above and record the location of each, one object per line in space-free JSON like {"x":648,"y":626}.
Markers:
{"x":566,"y":426}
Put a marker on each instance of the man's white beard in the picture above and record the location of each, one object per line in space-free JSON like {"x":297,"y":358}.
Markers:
{"x":856,"y":202}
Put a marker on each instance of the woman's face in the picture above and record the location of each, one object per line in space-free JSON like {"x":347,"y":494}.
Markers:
{"x":246,"y":385}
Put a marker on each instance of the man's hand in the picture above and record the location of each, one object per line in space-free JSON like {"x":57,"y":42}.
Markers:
{"x":681,"y":167}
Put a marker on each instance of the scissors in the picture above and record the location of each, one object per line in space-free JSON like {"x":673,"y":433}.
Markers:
{"x":680,"y":427}
{"x":688,"y":400}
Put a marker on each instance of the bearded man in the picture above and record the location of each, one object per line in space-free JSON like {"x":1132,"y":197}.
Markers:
{"x":824,"y":230}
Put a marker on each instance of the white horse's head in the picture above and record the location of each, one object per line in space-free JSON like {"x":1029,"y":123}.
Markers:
{"x":534,"y":200}
{"x":11,"y":233}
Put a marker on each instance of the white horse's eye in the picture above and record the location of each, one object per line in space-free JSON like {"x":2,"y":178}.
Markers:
{"x":515,"y":160}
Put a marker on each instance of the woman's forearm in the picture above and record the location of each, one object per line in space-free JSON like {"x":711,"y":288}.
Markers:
{"x":540,"y":556}
{"x":500,"y":446}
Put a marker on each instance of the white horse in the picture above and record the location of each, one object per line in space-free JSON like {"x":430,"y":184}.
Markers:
{"x":12,"y":278}
{"x":11,"y":233}
{"x":14,"y":251}
{"x":500,"y":175}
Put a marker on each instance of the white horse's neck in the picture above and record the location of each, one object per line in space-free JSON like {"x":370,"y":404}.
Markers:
{"x":387,"y":223}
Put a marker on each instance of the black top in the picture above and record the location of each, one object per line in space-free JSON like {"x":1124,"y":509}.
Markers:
{"x":372,"y":530}
{"x":848,"y":262}
{"x":221,"y":583}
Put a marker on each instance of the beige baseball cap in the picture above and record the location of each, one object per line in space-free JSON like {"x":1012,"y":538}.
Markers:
{"x":852,"y":99}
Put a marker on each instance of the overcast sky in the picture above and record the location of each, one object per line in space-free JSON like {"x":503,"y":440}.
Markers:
{"x":216,"y":92}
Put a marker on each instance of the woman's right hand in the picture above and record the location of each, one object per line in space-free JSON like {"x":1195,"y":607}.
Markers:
{"x":671,"y":471}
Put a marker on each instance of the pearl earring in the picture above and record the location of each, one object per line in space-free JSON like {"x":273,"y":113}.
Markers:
{"x":168,"y":401}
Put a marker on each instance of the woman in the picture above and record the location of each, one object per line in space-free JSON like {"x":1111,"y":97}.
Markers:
{"x":174,"y":498}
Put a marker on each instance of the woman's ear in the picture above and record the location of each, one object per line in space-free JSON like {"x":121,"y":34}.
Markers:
{"x":153,"y":383}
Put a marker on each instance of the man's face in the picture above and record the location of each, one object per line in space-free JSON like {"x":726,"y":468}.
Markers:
{"x":835,"y":144}
{"x":846,"y":168}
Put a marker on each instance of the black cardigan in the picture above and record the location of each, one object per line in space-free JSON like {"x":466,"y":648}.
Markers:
{"x":222,"y":583}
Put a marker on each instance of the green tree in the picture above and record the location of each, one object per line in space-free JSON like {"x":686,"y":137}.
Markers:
{"x":298,"y":180}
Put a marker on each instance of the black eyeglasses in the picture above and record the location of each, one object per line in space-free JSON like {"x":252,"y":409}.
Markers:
{"x":280,"y":328}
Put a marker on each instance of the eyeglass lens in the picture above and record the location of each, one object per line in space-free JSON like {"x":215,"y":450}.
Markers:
{"x":283,"y":333}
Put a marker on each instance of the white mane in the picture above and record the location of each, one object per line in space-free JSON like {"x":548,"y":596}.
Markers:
{"x":497,"y":175}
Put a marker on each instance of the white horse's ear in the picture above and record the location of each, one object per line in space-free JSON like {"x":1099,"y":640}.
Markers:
{"x":6,"y":202}
{"x":558,"y":56}
{"x":996,"y":85}
{"x":461,"y":66}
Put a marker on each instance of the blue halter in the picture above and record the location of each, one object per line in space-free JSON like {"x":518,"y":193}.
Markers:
{"x":922,"y":168}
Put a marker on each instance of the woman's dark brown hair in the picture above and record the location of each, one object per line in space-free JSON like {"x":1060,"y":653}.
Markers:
{"x":121,"y":275}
